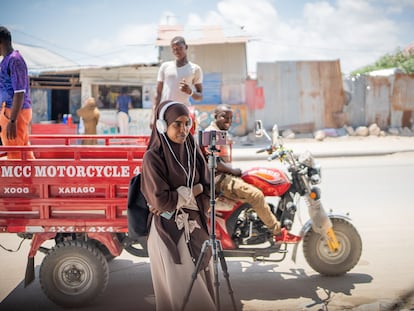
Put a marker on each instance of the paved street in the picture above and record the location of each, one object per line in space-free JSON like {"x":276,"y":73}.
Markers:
{"x":344,"y":146}
{"x":374,"y":189}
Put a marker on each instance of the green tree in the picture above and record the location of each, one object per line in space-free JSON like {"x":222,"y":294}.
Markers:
{"x":399,"y":59}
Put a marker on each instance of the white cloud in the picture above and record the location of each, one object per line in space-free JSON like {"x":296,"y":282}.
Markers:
{"x":137,"y":34}
{"x":132,"y":44}
{"x":357,"y":32}
{"x":256,"y":16}
{"x":354,"y":31}
{"x":168,"y":18}
{"x":400,"y":3}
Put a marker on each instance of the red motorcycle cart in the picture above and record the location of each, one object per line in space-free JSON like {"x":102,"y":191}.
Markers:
{"x":75,"y":195}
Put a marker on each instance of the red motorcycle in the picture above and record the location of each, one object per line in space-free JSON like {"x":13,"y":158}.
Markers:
{"x":331,"y":244}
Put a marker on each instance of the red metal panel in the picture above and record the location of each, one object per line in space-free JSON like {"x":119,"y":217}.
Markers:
{"x":58,"y":128}
{"x":70,"y":187}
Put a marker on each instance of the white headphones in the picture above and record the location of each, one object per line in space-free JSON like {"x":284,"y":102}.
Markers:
{"x":161,"y":124}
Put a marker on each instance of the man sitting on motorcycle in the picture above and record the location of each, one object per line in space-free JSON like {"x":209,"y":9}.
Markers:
{"x":229,"y":184}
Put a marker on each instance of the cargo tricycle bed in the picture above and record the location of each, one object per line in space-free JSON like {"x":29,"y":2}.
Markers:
{"x":75,"y":195}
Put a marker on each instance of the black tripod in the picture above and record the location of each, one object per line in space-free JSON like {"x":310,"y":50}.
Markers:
{"x":217,"y":250}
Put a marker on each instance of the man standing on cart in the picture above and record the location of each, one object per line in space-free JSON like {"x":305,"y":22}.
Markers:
{"x":16,"y":107}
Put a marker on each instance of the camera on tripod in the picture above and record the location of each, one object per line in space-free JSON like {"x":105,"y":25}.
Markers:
{"x":212,"y":138}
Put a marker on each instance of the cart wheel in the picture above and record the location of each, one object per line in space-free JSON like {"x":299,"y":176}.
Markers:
{"x":105,"y":251}
{"x":74,"y":273}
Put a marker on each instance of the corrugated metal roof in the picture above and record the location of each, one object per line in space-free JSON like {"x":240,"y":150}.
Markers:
{"x":385,"y":72}
{"x":39,"y":59}
{"x":200,"y":35}
{"x":43,"y":61}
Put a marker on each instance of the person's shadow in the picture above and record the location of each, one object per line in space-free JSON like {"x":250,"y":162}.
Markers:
{"x":130,"y":287}
{"x":265,"y":281}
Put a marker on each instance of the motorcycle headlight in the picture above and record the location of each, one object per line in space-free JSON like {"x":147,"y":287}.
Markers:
{"x":313,"y":168}
{"x":307,"y":159}
{"x":315,"y":174}
{"x":315,"y":179}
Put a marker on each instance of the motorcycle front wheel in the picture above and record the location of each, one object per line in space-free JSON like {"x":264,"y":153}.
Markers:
{"x":323,"y":260}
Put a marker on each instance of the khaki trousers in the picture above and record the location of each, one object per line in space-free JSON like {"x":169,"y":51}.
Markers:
{"x":236,"y":188}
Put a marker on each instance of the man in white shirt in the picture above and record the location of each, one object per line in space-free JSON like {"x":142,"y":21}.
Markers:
{"x":179,"y":79}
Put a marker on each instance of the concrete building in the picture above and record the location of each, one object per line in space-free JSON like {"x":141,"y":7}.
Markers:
{"x":301,"y":95}
{"x":220,"y":52}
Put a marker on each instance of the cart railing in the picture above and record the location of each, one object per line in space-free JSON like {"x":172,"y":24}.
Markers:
{"x":47,"y":139}
{"x":69,"y":186}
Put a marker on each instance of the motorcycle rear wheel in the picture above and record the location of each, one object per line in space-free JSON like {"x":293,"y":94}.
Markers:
{"x":321,"y":259}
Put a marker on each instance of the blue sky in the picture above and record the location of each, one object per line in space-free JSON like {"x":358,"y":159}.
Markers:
{"x":112,"y":32}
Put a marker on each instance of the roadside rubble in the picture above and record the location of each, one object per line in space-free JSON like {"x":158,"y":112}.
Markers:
{"x":320,"y":135}
{"x":330,"y":143}
{"x":372,"y":130}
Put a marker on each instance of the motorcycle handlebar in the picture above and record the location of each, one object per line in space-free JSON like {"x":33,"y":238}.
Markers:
{"x":273,"y":156}
{"x":268,"y":148}
{"x":276,"y":155}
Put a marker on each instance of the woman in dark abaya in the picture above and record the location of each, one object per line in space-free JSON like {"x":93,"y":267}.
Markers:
{"x":175,"y":183}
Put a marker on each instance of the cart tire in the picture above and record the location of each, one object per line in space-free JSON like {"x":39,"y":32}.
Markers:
{"x":73,"y":274}
{"x":322,"y":260}
{"x":105,"y":251}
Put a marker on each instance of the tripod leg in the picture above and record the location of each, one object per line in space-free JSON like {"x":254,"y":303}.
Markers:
{"x":195,"y":273}
{"x":226,"y":273}
{"x":216,"y":276}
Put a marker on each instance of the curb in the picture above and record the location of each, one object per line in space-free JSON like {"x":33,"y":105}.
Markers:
{"x":331,"y":147}
{"x":260,"y":157}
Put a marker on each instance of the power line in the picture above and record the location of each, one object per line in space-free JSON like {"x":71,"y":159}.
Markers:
{"x":51,"y":43}
{"x":83,"y":55}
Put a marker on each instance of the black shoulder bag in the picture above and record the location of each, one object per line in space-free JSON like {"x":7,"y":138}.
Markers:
{"x":138,"y":211}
